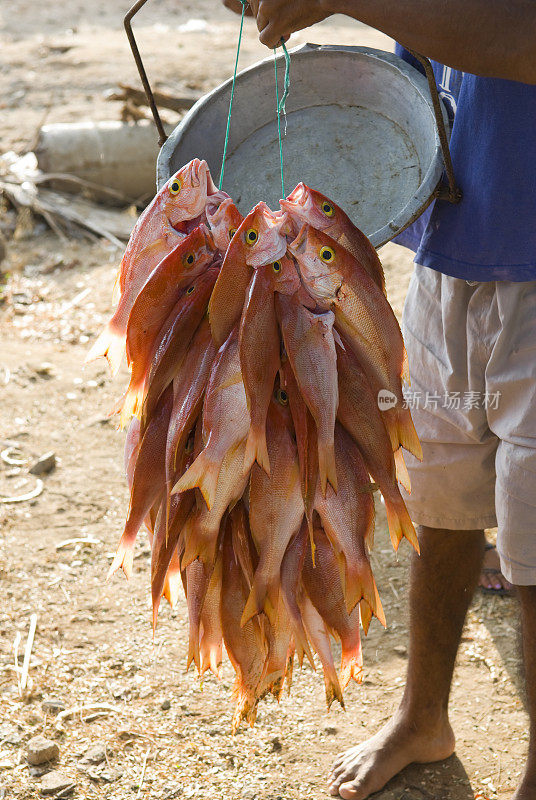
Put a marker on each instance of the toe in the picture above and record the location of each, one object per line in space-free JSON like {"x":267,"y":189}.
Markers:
{"x":350,"y":791}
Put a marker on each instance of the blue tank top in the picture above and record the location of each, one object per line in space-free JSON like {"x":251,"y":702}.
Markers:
{"x":491,"y":234}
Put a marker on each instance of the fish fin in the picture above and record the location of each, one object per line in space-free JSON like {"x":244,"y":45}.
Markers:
{"x":123,"y":559}
{"x":365,"y":612}
{"x":405,"y":368}
{"x":131,"y":404}
{"x":402,"y":474}
{"x":116,"y":291}
{"x":407,"y":435}
{"x":399,"y":522}
{"x":111,"y":345}
{"x":202,"y":474}
{"x":256,"y":450}
{"x":171,"y":590}
{"x":326,"y":466}
{"x":156,"y":606}
{"x":261,"y":599}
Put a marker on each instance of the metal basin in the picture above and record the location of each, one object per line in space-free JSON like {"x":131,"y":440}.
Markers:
{"x":360,"y":128}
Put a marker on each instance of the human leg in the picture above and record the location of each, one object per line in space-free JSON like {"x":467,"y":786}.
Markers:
{"x":420,"y":730}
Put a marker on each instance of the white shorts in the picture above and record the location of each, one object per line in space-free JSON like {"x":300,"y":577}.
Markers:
{"x":472,"y":360}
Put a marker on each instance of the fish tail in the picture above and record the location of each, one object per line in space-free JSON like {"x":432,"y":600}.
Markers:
{"x":123,"y":559}
{"x":351,"y":663}
{"x":111,"y":345}
{"x":326,"y":465}
{"x":256,"y":450}
{"x":372,"y":597}
{"x":203,"y":474}
{"x":407,"y":435}
{"x":211,"y":657}
{"x":193,"y":647}
{"x":333,"y":687}
{"x":260,"y":599}
{"x":399,"y":522}
{"x":402,"y":474}
{"x":245,"y":704}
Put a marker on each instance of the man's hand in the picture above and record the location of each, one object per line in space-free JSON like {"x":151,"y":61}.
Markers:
{"x":277,"y":19}
{"x":236,"y":6}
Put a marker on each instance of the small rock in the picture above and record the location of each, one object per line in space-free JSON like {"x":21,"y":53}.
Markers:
{"x":165,"y":705}
{"x":34,"y":719}
{"x":52,"y":706}
{"x":45,"y":370}
{"x":330,"y":730}
{"x":95,"y":754}
{"x":249,"y":794}
{"x":276,"y":744}
{"x":44,"y":464}
{"x":401,"y":650}
{"x":54,"y":782}
{"x":111,"y":775}
{"x":41,"y":750}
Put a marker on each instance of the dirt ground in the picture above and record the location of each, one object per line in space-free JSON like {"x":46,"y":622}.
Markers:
{"x":162,"y":732}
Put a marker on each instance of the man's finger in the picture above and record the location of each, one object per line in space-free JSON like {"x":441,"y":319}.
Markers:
{"x":271,"y":35}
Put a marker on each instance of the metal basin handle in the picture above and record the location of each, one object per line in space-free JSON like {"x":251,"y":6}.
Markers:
{"x":452,"y":193}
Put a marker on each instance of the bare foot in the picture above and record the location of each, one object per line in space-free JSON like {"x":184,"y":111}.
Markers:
{"x":491,"y":577}
{"x":366,"y":768}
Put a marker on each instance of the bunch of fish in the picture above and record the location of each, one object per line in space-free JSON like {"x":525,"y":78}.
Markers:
{"x":257,"y":348}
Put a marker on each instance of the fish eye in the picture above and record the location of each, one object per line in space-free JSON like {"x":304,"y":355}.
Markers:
{"x":326,"y":254}
{"x":189,"y":259}
{"x":251,"y":236}
{"x":190,"y":289}
{"x":282,"y":397}
{"x":232,"y":232}
{"x":276,"y":266}
{"x":175,"y":186}
{"x":328,"y":209}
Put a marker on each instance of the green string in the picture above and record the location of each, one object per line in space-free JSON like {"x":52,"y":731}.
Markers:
{"x":244,"y":4}
{"x":280,"y":105}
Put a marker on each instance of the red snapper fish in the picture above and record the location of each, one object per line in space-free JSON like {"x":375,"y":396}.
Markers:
{"x":306,"y":205}
{"x":182,"y":199}
{"x":225,"y":421}
{"x":363,"y":314}
{"x":310,"y":346}
{"x":257,"y":241}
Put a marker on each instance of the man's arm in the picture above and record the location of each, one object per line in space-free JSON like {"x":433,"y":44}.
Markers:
{"x":495,"y":38}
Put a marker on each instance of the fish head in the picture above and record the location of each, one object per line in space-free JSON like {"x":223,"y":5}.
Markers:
{"x":279,"y":409}
{"x":309,"y":206}
{"x":195,"y":252}
{"x":320,"y":260}
{"x":224,"y":220}
{"x":285,"y":278}
{"x":184,"y":195}
{"x":259,"y":239}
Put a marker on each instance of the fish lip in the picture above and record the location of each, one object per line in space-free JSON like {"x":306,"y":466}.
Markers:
{"x":297,"y":195}
{"x":298,"y":245}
